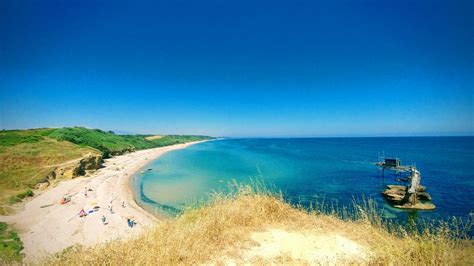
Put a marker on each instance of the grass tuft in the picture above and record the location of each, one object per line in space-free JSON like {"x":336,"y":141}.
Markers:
{"x":19,"y":197}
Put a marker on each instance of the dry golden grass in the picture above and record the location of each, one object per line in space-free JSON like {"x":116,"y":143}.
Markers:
{"x":220,"y":230}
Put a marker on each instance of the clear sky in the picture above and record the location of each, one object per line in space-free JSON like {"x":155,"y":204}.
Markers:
{"x":239,"y":68}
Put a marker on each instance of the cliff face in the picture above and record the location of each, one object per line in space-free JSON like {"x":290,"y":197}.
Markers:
{"x":72,"y":169}
{"x":121,"y":152}
{"x":89,"y":162}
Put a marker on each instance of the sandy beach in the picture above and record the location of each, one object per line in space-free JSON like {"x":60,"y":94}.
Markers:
{"x":47,"y":227}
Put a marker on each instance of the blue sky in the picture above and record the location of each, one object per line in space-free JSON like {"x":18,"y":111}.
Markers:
{"x":239,"y":68}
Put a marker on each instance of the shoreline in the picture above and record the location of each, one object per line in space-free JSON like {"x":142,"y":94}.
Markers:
{"x":46,"y":227}
{"x":128,"y":184}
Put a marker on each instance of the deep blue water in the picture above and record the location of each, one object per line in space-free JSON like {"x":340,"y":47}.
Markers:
{"x":337,"y":169}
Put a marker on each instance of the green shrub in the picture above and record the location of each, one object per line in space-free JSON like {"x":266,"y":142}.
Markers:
{"x":10,"y":245}
{"x":21,"y":196}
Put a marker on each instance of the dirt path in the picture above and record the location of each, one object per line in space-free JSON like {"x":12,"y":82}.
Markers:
{"x":276,"y":246}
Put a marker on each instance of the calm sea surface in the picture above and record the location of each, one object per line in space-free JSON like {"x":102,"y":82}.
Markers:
{"x":336,"y":169}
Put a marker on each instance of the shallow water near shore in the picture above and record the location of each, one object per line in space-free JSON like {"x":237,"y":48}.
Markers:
{"x":336,"y":169}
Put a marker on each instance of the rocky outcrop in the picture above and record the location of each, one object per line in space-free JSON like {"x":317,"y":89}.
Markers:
{"x":121,"y":152}
{"x":72,"y":169}
{"x":424,"y":206}
{"x":90,"y":162}
{"x":397,"y":195}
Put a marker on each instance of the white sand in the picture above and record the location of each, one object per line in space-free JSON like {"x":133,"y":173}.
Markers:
{"x":51,"y":229}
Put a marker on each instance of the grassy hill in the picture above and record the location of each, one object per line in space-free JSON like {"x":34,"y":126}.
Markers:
{"x":28,"y":157}
{"x":111,"y":144}
{"x":255,"y":227}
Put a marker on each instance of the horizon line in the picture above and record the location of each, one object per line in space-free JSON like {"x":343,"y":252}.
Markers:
{"x":261,"y":136}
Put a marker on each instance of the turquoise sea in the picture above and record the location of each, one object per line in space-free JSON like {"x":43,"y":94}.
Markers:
{"x":306,"y":169}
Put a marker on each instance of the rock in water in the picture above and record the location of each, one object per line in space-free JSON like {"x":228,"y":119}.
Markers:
{"x":396,"y":195}
{"x":417,"y":206}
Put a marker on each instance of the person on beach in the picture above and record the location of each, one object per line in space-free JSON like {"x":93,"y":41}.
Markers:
{"x":123,"y":204}
{"x":130,"y":222}
{"x":85,"y":191}
{"x":104,"y":220}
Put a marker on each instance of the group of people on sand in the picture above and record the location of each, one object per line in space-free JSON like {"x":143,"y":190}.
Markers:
{"x":82,"y":213}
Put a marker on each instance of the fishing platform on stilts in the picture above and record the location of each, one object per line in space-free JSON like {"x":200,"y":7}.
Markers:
{"x":410,"y":196}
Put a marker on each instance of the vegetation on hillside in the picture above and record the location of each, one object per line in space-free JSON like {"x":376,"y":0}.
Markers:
{"x":10,"y":138}
{"x":10,"y":245}
{"x":27,"y":157}
{"x":221,"y":232}
{"x":111,"y":144}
